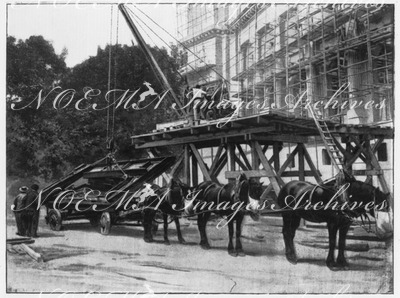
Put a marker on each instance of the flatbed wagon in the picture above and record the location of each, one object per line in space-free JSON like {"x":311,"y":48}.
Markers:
{"x":104,"y":193}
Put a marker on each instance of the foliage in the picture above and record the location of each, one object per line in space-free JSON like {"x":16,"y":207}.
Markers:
{"x":46,"y":141}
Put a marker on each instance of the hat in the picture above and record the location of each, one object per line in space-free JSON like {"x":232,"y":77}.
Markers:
{"x":23,"y":189}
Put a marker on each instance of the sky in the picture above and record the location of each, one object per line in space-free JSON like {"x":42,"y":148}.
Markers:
{"x":81,"y":28}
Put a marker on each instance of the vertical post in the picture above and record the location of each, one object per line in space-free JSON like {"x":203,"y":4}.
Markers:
{"x":186,"y":165}
{"x":255,"y":161}
{"x":195,"y":176}
{"x":301,"y":163}
{"x":276,"y":150}
{"x":231,"y":159}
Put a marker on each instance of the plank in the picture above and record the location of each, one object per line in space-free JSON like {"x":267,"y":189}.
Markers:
{"x":275,"y":180}
{"x":33,"y":254}
{"x":200,"y":162}
{"x":20,"y":240}
{"x":314,"y":170}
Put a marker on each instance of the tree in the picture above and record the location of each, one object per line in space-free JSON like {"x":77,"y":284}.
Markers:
{"x":48,"y":141}
{"x":129,"y":71}
{"x":32,"y":66}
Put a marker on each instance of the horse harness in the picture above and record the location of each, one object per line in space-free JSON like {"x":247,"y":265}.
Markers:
{"x":311,"y":191}
{"x":233,"y":194}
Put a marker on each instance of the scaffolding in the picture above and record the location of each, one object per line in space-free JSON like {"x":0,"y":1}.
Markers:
{"x":282,"y":55}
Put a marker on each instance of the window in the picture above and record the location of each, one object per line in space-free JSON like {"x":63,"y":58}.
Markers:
{"x":326,"y":159}
{"x":382,"y":152}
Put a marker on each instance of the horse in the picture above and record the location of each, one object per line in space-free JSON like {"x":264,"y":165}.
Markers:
{"x":169,"y":200}
{"x":325,"y":203}
{"x":229,"y":201}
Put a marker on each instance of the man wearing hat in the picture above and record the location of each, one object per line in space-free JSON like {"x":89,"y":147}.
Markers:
{"x":17,"y":208}
{"x":30,"y":213}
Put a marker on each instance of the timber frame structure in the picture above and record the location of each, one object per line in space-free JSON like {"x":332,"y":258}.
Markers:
{"x":265,"y":133}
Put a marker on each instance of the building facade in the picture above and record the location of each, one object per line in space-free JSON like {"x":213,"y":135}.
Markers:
{"x":280,"y":57}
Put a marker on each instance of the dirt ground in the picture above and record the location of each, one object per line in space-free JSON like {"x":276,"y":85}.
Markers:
{"x":80,"y":259}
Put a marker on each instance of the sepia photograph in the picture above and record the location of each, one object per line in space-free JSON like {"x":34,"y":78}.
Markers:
{"x":164,"y":148}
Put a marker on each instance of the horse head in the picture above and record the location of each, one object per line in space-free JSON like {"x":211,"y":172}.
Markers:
{"x":177,"y":193}
{"x":372,"y":200}
{"x":249,"y":191}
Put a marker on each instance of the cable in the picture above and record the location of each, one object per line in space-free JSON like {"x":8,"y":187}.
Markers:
{"x":109,"y":72}
{"x":180,"y":43}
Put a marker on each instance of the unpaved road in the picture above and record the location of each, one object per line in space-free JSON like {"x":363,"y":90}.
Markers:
{"x":80,"y":259}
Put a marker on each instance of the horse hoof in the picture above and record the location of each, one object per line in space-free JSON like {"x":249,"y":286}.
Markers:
{"x":292,"y":259}
{"x":205,"y":246}
{"x":342,"y":265}
{"x":182,"y":241}
{"x":233,"y":253}
{"x":148,"y":240}
{"x":166,"y":242}
{"x":241,"y":254}
{"x":332,"y":265}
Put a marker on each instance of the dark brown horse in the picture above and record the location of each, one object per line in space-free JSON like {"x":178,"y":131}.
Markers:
{"x":228,"y":200}
{"x":169,"y":201}
{"x":319,"y":203}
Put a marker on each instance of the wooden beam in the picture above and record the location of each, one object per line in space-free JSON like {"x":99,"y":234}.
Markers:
{"x":231,"y":160}
{"x":216,"y":158}
{"x":367,"y":172}
{"x":277,"y":147}
{"x":243,"y":155}
{"x":289,"y":138}
{"x":297,"y":174}
{"x":263,"y":173}
{"x":240,"y":163}
{"x":289,"y":160}
{"x":186,"y":165}
{"x":377,"y":144}
{"x":195,"y":174}
{"x":314,"y":170}
{"x":152,"y":154}
{"x":375,"y":164}
{"x":200,"y":163}
{"x":219,"y":135}
{"x":301,"y":162}
{"x":249,"y":174}
{"x":177,"y":165}
{"x":275,"y":180}
{"x":221,"y":164}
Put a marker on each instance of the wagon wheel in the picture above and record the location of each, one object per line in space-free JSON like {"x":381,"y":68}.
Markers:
{"x":94,"y":221}
{"x":105,"y":223}
{"x":158,"y":218}
{"x":54,"y":219}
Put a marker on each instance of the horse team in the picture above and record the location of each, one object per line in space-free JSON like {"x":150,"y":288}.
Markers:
{"x":233,"y":201}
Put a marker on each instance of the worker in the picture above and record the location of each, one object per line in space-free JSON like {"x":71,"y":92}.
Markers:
{"x":17,"y":208}
{"x":31,"y":212}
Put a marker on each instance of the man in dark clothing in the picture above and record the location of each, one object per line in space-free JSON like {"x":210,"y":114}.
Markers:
{"x":17,"y":208}
{"x":30,"y":213}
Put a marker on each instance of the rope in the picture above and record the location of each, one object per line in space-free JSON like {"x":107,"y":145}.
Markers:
{"x":109,"y":73}
{"x":115,"y":76}
{"x":180,"y":43}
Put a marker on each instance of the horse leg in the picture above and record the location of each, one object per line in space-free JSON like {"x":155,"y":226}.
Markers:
{"x":165,"y":217}
{"x":332,"y":230}
{"x":239,"y":248}
{"x":201,"y":224}
{"x":178,"y":230}
{"x":290,"y":224}
{"x":341,"y":260}
{"x":231,"y":249}
{"x":148,"y":216}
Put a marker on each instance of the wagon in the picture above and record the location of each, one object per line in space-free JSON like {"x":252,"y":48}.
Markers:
{"x":105,"y":193}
